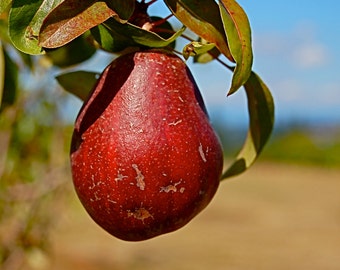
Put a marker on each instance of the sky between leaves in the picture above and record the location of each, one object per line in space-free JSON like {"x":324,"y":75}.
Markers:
{"x":296,"y":47}
{"x":296,"y":52}
{"x":296,"y":44}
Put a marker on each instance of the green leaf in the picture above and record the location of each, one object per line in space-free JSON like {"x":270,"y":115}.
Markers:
{"x":75,"y":52}
{"x":261,"y":123}
{"x":138,"y":36}
{"x":208,"y":56}
{"x":109,"y":41}
{"x":203,"y":18}
{"x":113,"y":36}
{"x":165,"y":29}
{"x":10,"y":80}
{"x":78,"y":83}
{"x":70,"y":19}
{"x":4,"y":32}
{"x":123,"y":8}
{"x":196,"y":48}
{"x":2,"y":71}
{"x":25,"y":19}
{"x":237,"y":28}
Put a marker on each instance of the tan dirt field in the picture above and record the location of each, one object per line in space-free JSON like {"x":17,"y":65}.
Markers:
{"x":274,"y":216}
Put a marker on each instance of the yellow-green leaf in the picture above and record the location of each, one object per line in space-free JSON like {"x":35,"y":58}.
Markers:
{"x":237,"y":29}
{"x":261,"y":123}
{"x":4,"y":4}
{"x":196,"y":48}
{"x":208,"y":56}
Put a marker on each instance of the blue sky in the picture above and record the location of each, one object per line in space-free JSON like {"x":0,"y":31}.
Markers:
{"x":296,"y":52}
{"x":296,"y":46}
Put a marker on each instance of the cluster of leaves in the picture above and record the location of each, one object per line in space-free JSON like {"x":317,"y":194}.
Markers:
{"x":70,"y":31}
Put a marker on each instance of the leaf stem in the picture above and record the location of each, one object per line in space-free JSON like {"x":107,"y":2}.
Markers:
{"x":149,"y":3}
{"x":160,"y":22}
{"x":216,"y":58}
{"x":223,"y":63}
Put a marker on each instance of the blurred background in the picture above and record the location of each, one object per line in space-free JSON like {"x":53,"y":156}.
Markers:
{"x":283,"y":213}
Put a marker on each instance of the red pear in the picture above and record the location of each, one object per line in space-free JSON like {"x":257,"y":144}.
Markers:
{"x":145,"y":159}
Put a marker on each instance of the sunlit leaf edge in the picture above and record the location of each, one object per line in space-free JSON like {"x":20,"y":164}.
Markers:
{"x":238,"y":32}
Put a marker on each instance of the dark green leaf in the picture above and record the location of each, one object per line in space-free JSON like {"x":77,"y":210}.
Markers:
{"x":237,"y":28}
{"x":25,"y":19}
{"x":75,"y":52}
{"x":10,"y":80}
{"x":123,"y":8}
{"x":78,"y":83}
{"x":261,"y":123}
{"x":165,"y":30}
{"x":70,"y":19}
{"x":113,"y":36}
{"x":203,"y":18}
{"x":109,"y":41}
